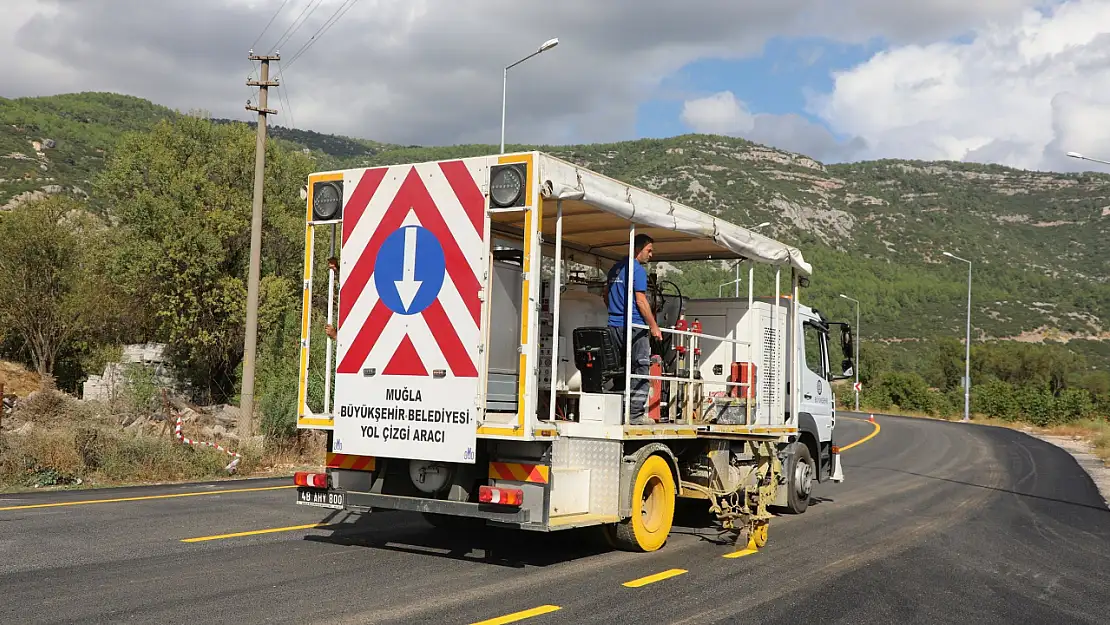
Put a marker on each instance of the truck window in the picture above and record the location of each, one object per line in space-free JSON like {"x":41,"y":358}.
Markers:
{"x":815,"y":359}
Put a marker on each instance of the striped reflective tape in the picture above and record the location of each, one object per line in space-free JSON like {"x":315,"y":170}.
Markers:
{"x":349,"y":461}
{"x":181,"y":438}
{"x":536,"y":473}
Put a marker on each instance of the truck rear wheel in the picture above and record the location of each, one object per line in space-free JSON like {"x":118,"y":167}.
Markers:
{"x":799,"y":479}
{"x":653,"y":502}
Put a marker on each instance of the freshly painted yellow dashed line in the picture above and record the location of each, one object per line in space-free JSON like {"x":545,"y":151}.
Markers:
{"x":520,"y":616}
{"x":64,"y":504}
{"x":651,"y":579}
{"x":741,"y":553}
{"x":272,"y":530}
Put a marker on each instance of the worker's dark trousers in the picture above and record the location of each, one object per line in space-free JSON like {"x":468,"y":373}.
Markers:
{"x":641,"y":365}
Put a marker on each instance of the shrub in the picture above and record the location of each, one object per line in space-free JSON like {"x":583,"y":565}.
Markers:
{"x":996,"y":399}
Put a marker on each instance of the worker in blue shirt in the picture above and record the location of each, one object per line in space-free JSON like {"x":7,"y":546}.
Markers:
{"x":641,"y":315}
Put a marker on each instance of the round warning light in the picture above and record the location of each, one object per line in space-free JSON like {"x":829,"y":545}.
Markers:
{"x":326,"y":201}
{"x":506,"y":186}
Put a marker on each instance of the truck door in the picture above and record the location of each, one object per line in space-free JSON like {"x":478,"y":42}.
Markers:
{"x":816,"y":399}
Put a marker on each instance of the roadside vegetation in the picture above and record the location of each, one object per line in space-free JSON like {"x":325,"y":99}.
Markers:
{"x":1046,"y":388}
{"x":161,"y":257}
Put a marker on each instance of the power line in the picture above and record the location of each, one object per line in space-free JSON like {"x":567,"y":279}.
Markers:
{"x":290,"y":26}
{"x":298,"y":26}
{"x":335,"y":17}
{"x":272,"y":18}
{"x":327,"y":23}
{"x":283,"y":93}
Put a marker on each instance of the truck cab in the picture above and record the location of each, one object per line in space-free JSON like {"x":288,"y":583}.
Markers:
{"x":809,"y":456}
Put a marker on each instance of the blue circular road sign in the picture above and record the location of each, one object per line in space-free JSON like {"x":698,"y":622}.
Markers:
{"x":409,"y":270}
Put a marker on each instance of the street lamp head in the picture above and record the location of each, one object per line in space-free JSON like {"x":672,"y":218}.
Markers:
{"x":844,"y":296}
{"x":766,"y":223}
{"x":1075,"y":155}
{"x":948,"y":254}
{"x":550,"y":43}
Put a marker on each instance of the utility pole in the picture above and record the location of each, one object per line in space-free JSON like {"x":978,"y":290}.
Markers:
{"x":250,"y":344}
{"x":967,"y":342}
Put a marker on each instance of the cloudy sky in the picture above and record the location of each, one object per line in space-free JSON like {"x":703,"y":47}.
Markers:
{"x":1018,"y":82}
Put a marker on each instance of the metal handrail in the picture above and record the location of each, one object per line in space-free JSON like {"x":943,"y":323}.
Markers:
{"x":700,"y":335}
{"x":690,"y":379}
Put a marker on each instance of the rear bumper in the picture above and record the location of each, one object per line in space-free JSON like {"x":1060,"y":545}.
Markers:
{"x":501,"y":514}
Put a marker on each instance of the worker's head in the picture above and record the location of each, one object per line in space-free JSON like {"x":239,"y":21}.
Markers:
{"x":643,"y":245}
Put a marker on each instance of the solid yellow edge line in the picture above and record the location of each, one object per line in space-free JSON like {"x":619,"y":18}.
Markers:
{"x":252,"y":533}
{"x":651,"y":579}
{"x":741,"y":553}
{"x":865,"y":438}
{"x":144,"y":498}
{"x":520,"y":616}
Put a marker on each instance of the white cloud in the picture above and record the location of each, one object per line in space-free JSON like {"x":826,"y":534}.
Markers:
{"x":1021,"y":91}
{"x":429,"y":71}
{"x":722,"y":113}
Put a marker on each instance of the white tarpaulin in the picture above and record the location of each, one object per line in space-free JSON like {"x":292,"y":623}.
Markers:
{"x":561,"y":180}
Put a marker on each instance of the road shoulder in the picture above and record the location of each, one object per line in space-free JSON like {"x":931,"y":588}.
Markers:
{"x":1083,"y":452}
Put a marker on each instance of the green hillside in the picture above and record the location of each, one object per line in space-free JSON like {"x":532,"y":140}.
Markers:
{"x":873,"y":230}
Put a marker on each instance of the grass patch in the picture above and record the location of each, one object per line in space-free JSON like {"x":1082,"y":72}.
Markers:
{"x":67,"y":456}
{"x":56,"y":441}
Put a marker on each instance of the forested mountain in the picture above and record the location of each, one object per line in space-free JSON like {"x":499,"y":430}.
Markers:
{"x":873,"y":230}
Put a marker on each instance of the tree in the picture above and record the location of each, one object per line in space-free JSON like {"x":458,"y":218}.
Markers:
{"x":53,"y":282}
{"x":945,"y":367}
{"x":182,"y":197}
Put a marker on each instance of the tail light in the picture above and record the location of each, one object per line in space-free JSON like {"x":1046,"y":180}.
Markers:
{"x":315,"y":480}
{"x":501,"y":496}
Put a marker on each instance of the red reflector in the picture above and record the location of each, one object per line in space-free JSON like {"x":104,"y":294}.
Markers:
{"x":501,"y":496}
{"x":835,"y":450}
{"x":315,"y":480}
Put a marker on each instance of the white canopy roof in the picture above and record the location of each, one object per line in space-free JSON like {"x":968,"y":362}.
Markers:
{"x":597,"y":210}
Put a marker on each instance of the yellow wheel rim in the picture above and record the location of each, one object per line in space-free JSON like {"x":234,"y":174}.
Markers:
{"x":653,"y":501}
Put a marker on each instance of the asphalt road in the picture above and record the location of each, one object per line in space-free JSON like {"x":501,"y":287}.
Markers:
{"x":935,"y":523}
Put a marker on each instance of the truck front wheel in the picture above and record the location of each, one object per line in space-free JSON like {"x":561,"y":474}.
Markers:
{"x":653,"y":502}
{"x":800,"y":471}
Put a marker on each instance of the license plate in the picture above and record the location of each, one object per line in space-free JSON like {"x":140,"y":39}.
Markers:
{"x":320,"y":497}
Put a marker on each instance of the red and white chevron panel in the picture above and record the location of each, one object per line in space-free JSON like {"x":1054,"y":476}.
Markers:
{"x":410,"y":311}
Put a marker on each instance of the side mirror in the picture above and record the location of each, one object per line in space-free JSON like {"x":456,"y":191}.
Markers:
{"x":847,"y":346}
{"x":846,"y":342}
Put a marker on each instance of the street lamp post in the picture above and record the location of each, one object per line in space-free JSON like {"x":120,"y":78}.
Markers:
{"x":967,"y":342}
{"x":857,"y":341}
{"x":547,"y":45}
{"x":1087,"y":158}
{"x":738,"y":263}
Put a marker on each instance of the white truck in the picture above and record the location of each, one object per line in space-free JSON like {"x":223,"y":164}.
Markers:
{"x":474,"y":377}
